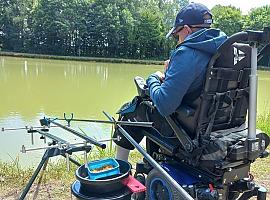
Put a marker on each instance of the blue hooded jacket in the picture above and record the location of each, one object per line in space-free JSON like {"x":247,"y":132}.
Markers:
{"x":186,"y":70}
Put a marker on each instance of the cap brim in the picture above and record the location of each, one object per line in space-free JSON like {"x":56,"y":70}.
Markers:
{"x":170,"y":32}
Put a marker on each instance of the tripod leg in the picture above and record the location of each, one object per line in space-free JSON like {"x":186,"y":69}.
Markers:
{"x":31,"y":181}
{"x":40,"y":179}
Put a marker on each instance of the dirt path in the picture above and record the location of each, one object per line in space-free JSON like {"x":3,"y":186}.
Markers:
{"x":49,"y":191}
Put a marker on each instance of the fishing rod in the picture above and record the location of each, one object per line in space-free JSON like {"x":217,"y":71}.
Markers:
{"x":65,"y":147}
{"x":47,"y":121}
{"x":53,"y":137}
{"x":124,"y":123}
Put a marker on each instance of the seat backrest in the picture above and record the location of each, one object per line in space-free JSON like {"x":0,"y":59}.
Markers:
{"x":223,"y":103}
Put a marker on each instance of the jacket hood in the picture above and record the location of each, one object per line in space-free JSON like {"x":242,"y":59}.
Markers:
{"x":207,"y":40}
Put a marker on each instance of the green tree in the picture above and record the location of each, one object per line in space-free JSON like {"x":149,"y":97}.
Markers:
{"x":13,"y":15}
{"x":56,"y":26}
{"x":105,"y":28}
{"x":103,"y":24}
{"x":148,"y":33}
{"x":258,"y":18}
{"x":169,"y":9}
{"x":227,"y":18}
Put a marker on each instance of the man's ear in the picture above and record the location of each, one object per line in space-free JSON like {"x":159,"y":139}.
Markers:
{"x":188,"y":29}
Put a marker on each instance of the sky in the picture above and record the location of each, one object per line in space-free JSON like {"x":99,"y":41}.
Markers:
{"x":244,"y":5}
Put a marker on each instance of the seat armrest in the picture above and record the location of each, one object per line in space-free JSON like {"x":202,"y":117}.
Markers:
{"x":142,"y":88}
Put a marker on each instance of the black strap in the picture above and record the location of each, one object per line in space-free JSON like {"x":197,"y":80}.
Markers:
{"x":213,"y":114}
{"x":226,"y":97}
{"x":228,"y":74}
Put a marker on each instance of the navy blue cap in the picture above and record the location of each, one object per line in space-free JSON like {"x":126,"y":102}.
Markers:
{"x":192,"y":14}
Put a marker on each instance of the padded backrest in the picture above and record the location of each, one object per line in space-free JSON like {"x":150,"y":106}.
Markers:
{"x":223,"y":103}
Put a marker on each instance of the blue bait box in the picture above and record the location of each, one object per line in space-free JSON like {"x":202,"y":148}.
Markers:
{"x":99,"y":164}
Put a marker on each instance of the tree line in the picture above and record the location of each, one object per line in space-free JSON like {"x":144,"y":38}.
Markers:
{"x":106,"y":28}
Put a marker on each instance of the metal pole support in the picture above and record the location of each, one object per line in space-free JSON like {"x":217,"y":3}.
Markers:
{"x":253,"y":81}
{"x":253,"y":142}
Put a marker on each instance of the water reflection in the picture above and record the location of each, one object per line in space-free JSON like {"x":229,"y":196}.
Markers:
{"x":32,"y":88}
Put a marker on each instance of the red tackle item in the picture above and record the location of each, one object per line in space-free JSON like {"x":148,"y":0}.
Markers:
{"x":133,"y":184}
{"x":211,"y":187}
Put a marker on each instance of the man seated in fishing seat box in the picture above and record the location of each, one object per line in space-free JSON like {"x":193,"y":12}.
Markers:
{"x":184,"y":74}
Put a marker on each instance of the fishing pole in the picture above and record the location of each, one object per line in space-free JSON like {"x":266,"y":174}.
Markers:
{"x":124,"y":123}
{"x":47,"y":121}
{"x":61,"y":144}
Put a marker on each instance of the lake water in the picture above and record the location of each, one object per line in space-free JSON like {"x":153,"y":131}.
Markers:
{"x":34,"y":88}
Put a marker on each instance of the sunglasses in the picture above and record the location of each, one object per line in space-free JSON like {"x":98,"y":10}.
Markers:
{"x":177,"y":30}
{"x":180,"y":28}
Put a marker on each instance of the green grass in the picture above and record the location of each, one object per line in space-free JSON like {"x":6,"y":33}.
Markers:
{"x":263,"y":123}
{"x":93,"y":59}
{"x":77,"y":58}
{"x":13,"y":173}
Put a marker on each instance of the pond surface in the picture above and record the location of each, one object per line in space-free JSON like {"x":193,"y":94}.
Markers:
{"x":34,"y":88}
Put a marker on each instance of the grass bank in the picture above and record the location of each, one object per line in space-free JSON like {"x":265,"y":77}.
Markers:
{"x":77,"y":58}
{"x":56,"y":181}
{"x":263,"y":123}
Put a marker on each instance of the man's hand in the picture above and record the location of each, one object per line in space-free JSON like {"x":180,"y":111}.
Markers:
{"x":166,"y":64}
{"x":160,"y":75}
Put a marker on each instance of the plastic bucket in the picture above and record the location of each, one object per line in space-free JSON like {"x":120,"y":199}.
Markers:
{"x":103,"y":185}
